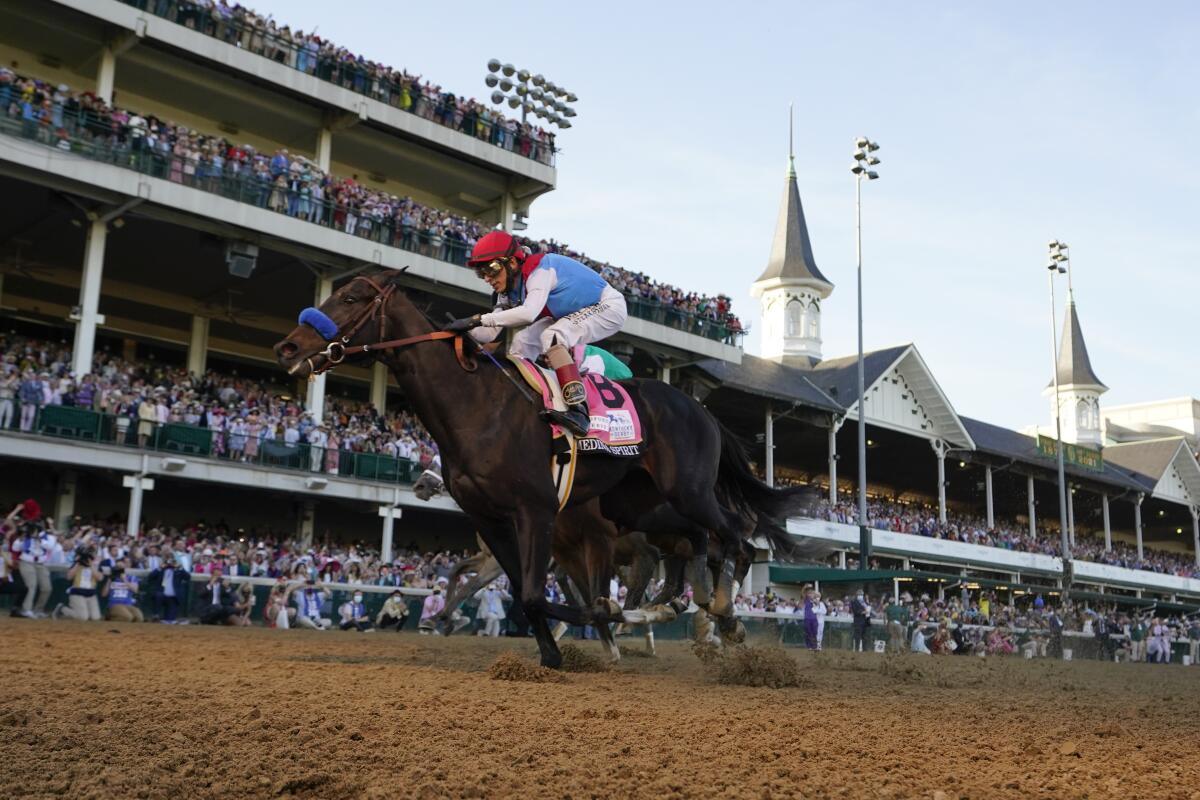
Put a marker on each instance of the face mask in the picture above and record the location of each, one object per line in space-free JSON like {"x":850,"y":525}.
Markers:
{"x":358,"y":598}
{"x":860,"y":597}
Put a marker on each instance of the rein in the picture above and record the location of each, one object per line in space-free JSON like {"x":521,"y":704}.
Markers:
{"x":340,"y":346}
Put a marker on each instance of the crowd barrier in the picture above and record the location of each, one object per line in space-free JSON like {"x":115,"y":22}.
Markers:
{"x":72,"y":422}
{"x":784,"y":629}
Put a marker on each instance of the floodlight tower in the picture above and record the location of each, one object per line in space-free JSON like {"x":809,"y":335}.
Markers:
{"x":863,"y":169}
{"x":530,"y":93}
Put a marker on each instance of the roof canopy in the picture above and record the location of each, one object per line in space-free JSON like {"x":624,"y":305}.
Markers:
{"x":1166,"y":468}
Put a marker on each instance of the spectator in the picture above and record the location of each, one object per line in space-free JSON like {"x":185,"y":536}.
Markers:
{"x":309,"y":602}
{"x":491,"y":609}
{"x":918,"y":645}
{"x":433,"y":605}
{"x":354,"y":615}
{"x":820,"y":610}
{"x":898,"y":616}
{"x":861,"y":610}
{"x":243,"y":606}
{"x":393,"y":613}
{"x":277,"y":613}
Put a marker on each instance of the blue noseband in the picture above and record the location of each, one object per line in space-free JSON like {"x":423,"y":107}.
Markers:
{"x":316,"y":319}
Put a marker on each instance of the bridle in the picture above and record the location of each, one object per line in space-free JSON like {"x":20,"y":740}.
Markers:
{"x":339,"y":347}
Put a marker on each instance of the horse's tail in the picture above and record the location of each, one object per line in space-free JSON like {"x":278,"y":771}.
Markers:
{"x":742,"y":491}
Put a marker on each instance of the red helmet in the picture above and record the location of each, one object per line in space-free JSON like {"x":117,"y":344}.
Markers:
{"x":496,"y":244}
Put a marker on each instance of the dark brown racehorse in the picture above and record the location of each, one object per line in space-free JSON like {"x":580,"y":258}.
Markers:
{"x":496,"y":451}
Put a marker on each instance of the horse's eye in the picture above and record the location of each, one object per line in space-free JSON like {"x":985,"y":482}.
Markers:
{"x":347,"y":299}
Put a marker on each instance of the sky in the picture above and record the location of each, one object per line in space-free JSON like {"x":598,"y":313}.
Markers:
{"x":1002,"y":126}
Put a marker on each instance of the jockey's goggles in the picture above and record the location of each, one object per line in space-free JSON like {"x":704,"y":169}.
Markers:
{"x":491,"y":269}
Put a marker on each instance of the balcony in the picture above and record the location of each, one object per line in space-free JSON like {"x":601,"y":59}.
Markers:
{"x":309,"y":221}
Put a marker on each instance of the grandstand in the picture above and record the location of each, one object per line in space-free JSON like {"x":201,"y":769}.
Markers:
{"x":174,"y":189}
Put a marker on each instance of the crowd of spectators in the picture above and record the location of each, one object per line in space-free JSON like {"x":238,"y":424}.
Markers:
{"x":314,"y":55}
{"x":243,"y":414}
{"x":292,"y":184}
{"x":106,"y":549}
{"x":922,"y":520}
{"x":981,"y":623}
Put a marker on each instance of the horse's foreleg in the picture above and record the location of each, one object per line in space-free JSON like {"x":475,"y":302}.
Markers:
{"x":534,"y":529}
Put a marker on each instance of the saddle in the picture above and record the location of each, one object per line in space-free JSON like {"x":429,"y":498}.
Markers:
{"x":615,"y":428}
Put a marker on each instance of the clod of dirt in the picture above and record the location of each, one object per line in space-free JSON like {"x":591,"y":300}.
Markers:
{"x":1068,"y":749}
{"x":709,"y":653}
{"x":635,"y":652}
{"x":509,"y":666}
{"x":759,"y":666}
{"x":575,"y":660}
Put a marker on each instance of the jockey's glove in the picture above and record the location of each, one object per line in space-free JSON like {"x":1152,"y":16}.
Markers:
{"x":463,"y":324}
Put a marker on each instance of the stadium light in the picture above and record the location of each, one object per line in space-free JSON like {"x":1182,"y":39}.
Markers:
{"x":532,"y":93}
{"x":1059,"y":254}
{"x":863,"y":162}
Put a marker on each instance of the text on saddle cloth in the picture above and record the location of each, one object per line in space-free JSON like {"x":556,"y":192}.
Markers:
{"x":615,"y":427}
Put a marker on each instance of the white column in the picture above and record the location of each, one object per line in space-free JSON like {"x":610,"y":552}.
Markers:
{"x":89,"y":298}
{"x":987,"y":485}
{"x":1032,"y":509}
{"x":939,"y":449}
{"x":1107,"y":523}
{"x":306,"y":523}
{"x":1071,"y":514}
{"x":841,"y":559}
{"x":1196,"y":533}
{"x":379,"y":380}
{"x":64,"y":506}
{"x":390,"y":514}
{"x":106,"y":75}
{"x":198,"y":346}
{"x":664,"y":372}
{"x":137,"y":484}
{"x":769,"y":443}
{"x":316,"y":386}
{"x":1137,"y":522}
{"x":508,"y":207}
{"x":833,"y":459}
{"x":324,"y":148}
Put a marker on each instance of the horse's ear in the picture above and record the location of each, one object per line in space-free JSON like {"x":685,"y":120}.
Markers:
{"x":395,"y":279}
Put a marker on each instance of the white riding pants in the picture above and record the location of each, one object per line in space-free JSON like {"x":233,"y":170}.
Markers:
{"x":587,"y":325}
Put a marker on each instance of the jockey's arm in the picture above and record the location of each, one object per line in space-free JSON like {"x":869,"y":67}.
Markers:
{"x":537,"y":292}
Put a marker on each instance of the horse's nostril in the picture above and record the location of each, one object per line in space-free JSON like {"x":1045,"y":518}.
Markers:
{"x":287,"y":349}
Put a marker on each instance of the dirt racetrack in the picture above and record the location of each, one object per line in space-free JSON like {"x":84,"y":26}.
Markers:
{"x":114,"y":711}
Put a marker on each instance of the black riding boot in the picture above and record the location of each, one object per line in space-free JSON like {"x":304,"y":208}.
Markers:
{"x":575,"y":419}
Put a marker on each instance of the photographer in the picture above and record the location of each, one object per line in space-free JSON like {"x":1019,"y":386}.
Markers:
{"x":219,"y":602}
{"x":121,"y":592}
{"x":169,"y":586}
{"x":82,"y":598}
{"x":32,"y":546}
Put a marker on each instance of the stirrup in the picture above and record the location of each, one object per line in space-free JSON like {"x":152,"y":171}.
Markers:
{"x":572,"y":419}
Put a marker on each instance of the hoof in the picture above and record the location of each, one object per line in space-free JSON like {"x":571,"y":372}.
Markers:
{"x":732,"y":630}
{"x":678,"y":605}
{"x":663,"y":613}
{"x":607,"y":607}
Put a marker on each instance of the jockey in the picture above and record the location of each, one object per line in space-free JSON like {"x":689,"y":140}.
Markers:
{"x":556,"y":301}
